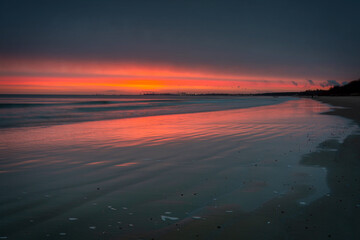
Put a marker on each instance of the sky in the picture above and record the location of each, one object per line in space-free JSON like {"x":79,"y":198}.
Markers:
{"x":134,"y":47}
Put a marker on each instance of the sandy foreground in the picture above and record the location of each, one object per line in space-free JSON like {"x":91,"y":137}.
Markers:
{"x":162,"y":178}
{"x":350,"y":106}
{"x":334,"y":216}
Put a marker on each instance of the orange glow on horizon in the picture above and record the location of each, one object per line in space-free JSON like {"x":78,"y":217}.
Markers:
{"x":66,"y":77}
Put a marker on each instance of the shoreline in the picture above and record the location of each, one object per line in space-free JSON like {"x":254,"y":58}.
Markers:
{"x":333,"y":216}
{"x":94,"y":110}
{"x":340,"y":210}
{"x":350,"y":106}
{"x":287,"y":213}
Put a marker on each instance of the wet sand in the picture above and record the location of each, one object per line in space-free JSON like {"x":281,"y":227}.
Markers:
{"x":350,"y":106}
{"x":234,"y":175}
{"x":334,"y":216}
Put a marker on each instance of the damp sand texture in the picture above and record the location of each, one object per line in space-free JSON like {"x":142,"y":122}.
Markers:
{"x":278,"y":171}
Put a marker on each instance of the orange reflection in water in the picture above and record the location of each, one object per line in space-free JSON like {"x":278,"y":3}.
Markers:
{"x":121,"y":142}
{"x":252,"y":123}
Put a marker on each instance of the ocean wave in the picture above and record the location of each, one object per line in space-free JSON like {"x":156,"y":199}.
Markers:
{"x":18,"y":112}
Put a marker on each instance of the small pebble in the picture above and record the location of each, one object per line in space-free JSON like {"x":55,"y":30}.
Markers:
{"x":164,"y":218}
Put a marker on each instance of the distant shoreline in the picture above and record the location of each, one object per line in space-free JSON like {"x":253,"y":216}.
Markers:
{"x":350,"y":89}
{"x":155,"y":94}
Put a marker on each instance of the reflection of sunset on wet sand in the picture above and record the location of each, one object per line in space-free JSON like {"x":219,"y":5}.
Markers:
{"x":176,"y":167}
{"x":153,"y":130}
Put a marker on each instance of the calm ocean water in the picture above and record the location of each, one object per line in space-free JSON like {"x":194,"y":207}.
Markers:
{"x":35,"y":110}
{"x":130,"y":167}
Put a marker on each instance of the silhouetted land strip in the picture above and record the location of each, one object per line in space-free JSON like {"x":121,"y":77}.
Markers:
{"x":350,"y":89}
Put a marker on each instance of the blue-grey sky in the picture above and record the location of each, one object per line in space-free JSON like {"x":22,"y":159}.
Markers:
{"x":306,"y":39}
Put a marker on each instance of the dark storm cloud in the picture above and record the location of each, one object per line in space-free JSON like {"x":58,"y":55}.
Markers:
{"x":262,"y":36}
{"x":311,"y":82}
{"x":295,"y":83}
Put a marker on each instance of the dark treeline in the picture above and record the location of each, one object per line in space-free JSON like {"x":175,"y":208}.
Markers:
{"x":350,"y":89}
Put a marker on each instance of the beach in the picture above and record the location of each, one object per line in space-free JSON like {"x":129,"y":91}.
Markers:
{"x":350,"y":106}
{"x":334,"y":216}
{"x":285,"y":170}
{"x":179,"y":120}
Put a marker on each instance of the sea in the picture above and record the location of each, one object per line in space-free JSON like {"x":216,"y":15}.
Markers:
{"x":136,"y":167}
